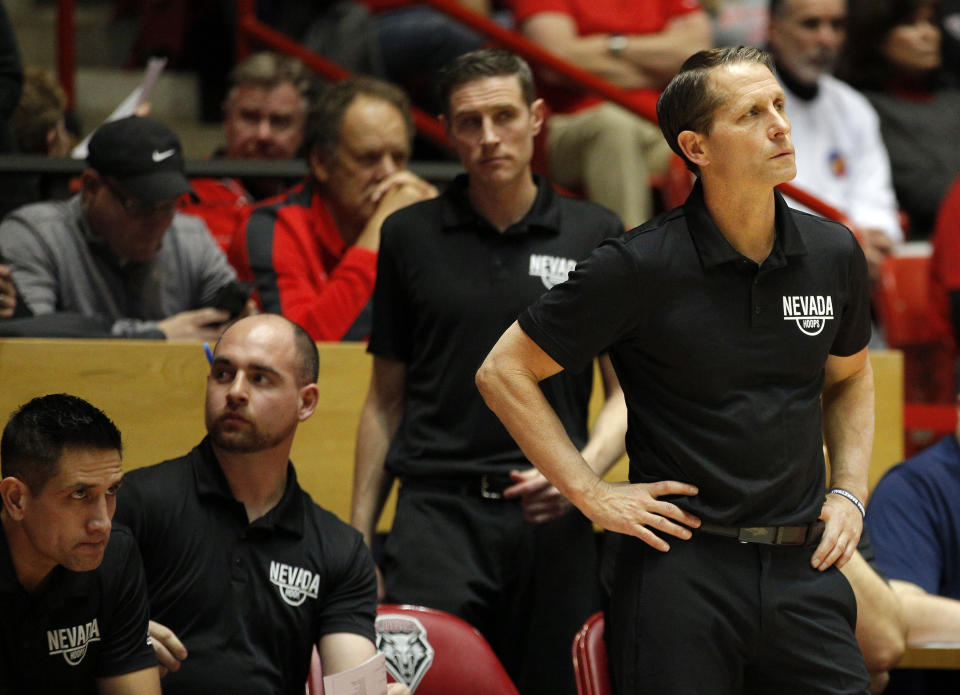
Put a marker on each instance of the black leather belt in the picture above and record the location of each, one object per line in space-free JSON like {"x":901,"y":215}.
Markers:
{"x":488,"y":486}
{"x":807,"y":534}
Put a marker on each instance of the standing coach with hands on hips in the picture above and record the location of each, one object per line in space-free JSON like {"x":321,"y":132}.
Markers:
{"x":726,"y":319}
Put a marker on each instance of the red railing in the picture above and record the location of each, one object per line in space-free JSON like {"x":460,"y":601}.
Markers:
{"x":67,"y":50}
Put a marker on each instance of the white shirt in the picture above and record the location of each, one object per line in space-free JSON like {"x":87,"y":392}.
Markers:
{"x":841,"y":157}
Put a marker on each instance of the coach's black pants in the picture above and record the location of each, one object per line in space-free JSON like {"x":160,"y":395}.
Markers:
{"x":527,"y":587}
{"x":713,"y":616}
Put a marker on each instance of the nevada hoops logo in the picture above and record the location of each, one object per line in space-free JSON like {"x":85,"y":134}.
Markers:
{"x":72,"y":642}
{"x":294,"y":583}
{"x":552,"y":270}
{"x":403,"y":641}
{"x":811,"y":313}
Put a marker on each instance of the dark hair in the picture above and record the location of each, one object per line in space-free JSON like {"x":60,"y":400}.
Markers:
{"x":862,"y":62}
{"x":689,"y":102}
{"x":486,"y":62}
{"x":775,"y":8}
{"x":42,"y":104}
{"x":38,"y":432}
{"x":322,"y":132}
{"x":308,"y":357}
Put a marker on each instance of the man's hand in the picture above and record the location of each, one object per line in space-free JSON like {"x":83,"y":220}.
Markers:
{"x":397,"y":689}
{"x":8,"y":293}
{"x":539,"y":500}
{"x":876,"y":247}
{"x":168,"y":648}
{"x":397,"y":191}
{"x":634,"y":509}
{"x":197,"y":324}
{"x":841,"y":533}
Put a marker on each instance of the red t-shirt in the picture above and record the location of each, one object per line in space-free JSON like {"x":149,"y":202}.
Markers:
{"x":604,"y":17}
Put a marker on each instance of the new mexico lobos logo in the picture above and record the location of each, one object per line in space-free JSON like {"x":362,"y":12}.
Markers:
{"x":811,"y":313}
{"x":403,"y":641}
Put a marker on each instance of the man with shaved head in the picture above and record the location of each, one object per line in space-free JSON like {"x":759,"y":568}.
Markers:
{"x":245,"y":572}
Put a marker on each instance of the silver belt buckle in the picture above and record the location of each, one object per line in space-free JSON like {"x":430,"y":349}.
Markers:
{"x":485,"y":491}
{"x":756,"y":534}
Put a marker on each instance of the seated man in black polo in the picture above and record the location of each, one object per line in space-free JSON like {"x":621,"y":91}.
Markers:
{"x":72,"y":591}
{"x":245,"y":572}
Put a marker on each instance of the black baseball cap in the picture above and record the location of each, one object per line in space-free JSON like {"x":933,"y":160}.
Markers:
{"x":143,"y":154}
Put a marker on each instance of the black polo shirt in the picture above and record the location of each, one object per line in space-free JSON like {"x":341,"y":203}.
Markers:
{"x":79,"y":626}
{"x":721,"y":360}
{"x":248,"y":600}
{"x":448,"y":285}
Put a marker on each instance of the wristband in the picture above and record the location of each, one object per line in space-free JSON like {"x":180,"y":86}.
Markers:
{"x":850,"y":496}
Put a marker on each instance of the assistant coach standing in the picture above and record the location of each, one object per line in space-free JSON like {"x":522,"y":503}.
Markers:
{"x":726,"y":320}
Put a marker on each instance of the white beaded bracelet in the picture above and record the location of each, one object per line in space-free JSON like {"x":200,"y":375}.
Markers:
{"x":850,"y":496}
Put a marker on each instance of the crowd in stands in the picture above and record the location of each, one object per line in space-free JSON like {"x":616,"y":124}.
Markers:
{"x":364,"y":249}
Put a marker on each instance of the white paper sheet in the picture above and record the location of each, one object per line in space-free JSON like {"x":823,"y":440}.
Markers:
{"x":369,"y":678}
{"x":128,"y":106}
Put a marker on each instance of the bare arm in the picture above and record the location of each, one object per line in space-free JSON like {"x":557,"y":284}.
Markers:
{"x":143,"y":682}
{"x":930,"y":618}
{"x":649,"y":60}
{"x":8,"y":293}
{"x":607,"y":436}
{"x":508,"y":380}
{"x":344,"y":650}
{"x":881,"y":630}
{"x":848,"y":435}
{"x":379,"y":421}
{"x":540,"y":500}
{"x":397,"y":191}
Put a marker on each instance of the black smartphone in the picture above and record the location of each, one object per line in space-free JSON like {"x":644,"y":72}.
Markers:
{"x":233,"y":297}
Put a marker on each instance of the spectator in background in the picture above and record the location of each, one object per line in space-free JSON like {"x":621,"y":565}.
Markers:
{"x":894,"y":58}
{"x":602,"y":148}
{"x":945,"y":264}
{"x":263,"y":118}
{"x":39,"y":123}
{"x":312,"y":254}
{"x":914,"y":521}
{"x":841,"y":157}
{"x":517,"y":561}
{"x":415,"y":40}
{"x":738,"y":22}
{"x":118,"y":253}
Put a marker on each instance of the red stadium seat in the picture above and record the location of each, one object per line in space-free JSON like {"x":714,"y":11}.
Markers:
{"x":903,"y":302}
{"x":435,"y":653}
{"x":909,"y":323}
{"x":590,"y":658}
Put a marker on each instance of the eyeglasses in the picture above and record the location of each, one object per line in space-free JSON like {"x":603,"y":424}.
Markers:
{"x":139,"y":208}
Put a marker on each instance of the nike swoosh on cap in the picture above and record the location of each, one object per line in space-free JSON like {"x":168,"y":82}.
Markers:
{"x":166,"y":154}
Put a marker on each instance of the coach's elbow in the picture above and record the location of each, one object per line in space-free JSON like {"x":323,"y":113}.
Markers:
{"x":488,"y":378}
